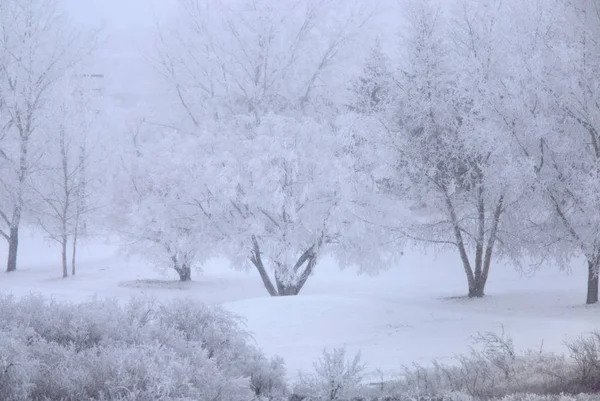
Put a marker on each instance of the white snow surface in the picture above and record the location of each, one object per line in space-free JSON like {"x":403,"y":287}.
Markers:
{"x":413,"y":313}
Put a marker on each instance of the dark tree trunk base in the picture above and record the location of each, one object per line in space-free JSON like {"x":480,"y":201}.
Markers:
{"x":477,"y":290}
{"x":288,"y":291}
{"x":476,"y":293}
{"x":592,"y":288}
{"x":13,"y":246}
{"x":281,"y":289}
{"x":285,"y":290}
{"x":185,"y":274}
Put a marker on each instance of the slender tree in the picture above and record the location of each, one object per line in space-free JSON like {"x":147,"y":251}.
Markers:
{"x":37,"y":46}
{"x":66,"y":179}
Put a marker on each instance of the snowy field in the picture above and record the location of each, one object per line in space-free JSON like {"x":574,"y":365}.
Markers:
{"x":413,"y":313}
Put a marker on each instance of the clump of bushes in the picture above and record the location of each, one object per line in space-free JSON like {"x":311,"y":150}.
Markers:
{"x":100,"y":350}
{"x":184,"y":350}
{"x":493,"y":370}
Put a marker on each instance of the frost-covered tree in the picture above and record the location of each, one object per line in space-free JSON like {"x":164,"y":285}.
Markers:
{"x":253,"y":57}
{"x":570,"y":179}
{"x":447,"y":174}
{"x":335,"y":377}
{"x":286,"y":210}
{"x":164,"y":209}
{"x":67,"y":177}
{"x":372,"y":91}
{"x":37,"y":46}
{"x":260,"y":77}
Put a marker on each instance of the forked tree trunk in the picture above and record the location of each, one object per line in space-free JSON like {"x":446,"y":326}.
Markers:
{"x":256,"y":259}
{"x":592,"y":285}
{"x":477,"y":278}
{"x":477,"y":290}
{"x":284,"y":290}
{"x":183,"y":269}
{"x":13,"y":247}
{"x":281,"y":288}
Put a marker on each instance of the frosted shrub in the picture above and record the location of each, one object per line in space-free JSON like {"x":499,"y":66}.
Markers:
{"x":15,"y":368}
{"x":100,"y":350}
{"x":492,"y":369}
{"x":533,"y":397}
{"x":81,"y":325}
{"x":267,"y":379}
{"x":335,"y":378}
{"x":146,"y":371}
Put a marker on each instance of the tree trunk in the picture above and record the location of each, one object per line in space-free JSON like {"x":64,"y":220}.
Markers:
{"x":13,"y":241}
{"x":477,"y":285}
{"x":185,"y":273}
{"x":74,"y":252}
{"x":308,"y":258}
{"x":13,"y":246}
{"x":477,"y":289}
{"x":592,"y":287}
{"x":256,"y":260}
{"x":460,"y":244}
{"x":285,"y":290}
{"x":63,"y":244}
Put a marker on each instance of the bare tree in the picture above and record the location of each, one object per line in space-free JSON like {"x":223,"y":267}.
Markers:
{"x":36,"y":47}
{"x":63,"y":184}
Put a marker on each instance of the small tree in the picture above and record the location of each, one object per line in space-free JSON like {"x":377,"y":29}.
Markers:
{"x":335,"y":378}
{"x":372,"y":91}
{"x":64,"y":183}
{"x":163,"y":210}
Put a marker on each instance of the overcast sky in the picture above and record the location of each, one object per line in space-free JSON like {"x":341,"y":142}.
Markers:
{"x":119,"y":14}
{"x":127,"y":33}
{"x":126,"y":27}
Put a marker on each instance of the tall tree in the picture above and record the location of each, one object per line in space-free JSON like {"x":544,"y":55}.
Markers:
{"x":66,"y":179}
{"x":570,"y":179}
{"x":37,"y":45}
{"x":450,"y":174}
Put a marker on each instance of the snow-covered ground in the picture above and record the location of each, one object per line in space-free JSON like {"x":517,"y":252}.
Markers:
{"x":413,"y":313}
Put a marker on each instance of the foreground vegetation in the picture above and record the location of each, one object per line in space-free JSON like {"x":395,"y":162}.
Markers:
{"x":100,"y":350}
{"x":184,"y":350}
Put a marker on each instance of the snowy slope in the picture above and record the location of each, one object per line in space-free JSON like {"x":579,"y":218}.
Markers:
{"x":409,"y":314}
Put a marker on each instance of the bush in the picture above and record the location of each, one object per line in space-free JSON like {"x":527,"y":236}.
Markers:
{"x":562,"y":397}
{"x":491,"y":371}
{"x":335,"y":378}
{"x":585,"y":354}
{"x":100,"y":350}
